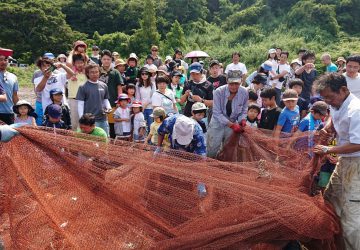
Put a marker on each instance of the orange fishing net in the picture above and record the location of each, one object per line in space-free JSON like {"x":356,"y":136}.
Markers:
{"x":60,"y":190}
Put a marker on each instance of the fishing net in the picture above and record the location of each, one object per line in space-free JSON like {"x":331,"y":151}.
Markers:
{"x":62,"y":190}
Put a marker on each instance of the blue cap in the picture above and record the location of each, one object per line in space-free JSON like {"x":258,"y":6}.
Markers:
{"x":195,"y":67}
{"x":56,"y":91}
{"x":54,"y":111}
{"x":49,"y":55}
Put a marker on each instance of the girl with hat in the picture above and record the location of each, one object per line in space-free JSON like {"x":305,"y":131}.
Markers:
{"x":122,"y":118}
{"x":23,"y":111}
{"x":132,"y":70}
{"x":138,"y":122}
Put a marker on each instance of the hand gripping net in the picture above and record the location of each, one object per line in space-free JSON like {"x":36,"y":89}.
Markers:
{"x":61,"y":190}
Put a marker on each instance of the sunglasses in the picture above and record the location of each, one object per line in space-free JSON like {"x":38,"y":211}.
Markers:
{"x":154,"y":50}
{"x":144,"y":74}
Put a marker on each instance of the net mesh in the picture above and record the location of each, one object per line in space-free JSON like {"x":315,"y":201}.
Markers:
{"x":63,"y":190}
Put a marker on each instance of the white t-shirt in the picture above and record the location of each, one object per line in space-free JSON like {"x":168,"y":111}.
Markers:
{"x":159,"y":100}
{"x":138,"y":121}
{"x":125,"y":126}
{"x":282,"y":67}
{"x":238,"y":66}
{"x":353,"y":84}
{"x":56,"y":80}
{"x":144,"y":94}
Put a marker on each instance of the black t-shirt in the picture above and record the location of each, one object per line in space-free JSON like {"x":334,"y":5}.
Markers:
{"x":204,"y":90}
{"x":218,"y":81}
{"x":269,"y":118}
{"x":308,"y":79}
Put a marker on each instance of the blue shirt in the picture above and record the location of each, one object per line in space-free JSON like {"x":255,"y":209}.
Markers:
{"x":197,"y":145}
{"x":308,"y":123}
{"x":289,"y":119}
{"x":331,"y":68}
{"x":10,"y":85}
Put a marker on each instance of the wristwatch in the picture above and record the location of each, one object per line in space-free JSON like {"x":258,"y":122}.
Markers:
{"x":325,"y":149}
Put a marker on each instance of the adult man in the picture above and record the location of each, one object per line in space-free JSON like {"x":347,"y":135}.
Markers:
{"x":184,"y":134}
{"x":95,"y":57}
{"x":215,"y":77}
{"x":330,"y":66}
{"x":229,"y":112}
{"x":154,"y":54}
{"x":198,"y":89}
{"x":9,"y":83}
{"x":114,"y":81}
{"x":352,"y":74}
{"x":237,"y":65}
{"x":51,"y":79}
{"x":344,"y":191}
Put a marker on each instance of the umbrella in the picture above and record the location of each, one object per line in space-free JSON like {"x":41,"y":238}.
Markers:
{"x":196,"y":53}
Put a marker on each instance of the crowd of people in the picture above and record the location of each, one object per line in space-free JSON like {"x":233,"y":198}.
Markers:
{"x":190,"y":107}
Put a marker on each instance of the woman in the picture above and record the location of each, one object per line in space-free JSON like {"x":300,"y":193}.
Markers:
{"x":164,"y":97}
{"x":229,"y":112}
{"x":144,"y":91}
{"x":176,"y":88}
{"x":341,"y":64}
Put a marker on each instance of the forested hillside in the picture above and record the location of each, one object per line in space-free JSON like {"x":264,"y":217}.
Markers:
{"x":31,"y":27}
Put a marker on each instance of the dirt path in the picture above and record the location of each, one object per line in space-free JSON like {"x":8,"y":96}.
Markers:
{"x":27,"y":93}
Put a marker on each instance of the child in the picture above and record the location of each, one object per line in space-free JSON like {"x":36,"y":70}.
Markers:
{"x":53,"y":119}
{"x":271,"y":112}
{"x":253,"y":97}
{"x":313,"y":120}
{"x":176,"y":88}
{"x":289,"y":117}
{"x":132,"y":70}
{"x":23,"y":111}
{"x":198,"y":112}
{"x":138,"y":122}
{"x":159,"y":116}
{"x":298,"y":85}
{"x":87,"y":126}
{"x":122,"y":117}
{"x":257,"y":85}
{"x":56,"y":96}
{"x":130,"y":90}
{"x":252,"y":114}
{"x":78,"y":49}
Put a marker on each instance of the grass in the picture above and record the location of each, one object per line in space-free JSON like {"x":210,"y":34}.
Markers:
{"x":24,"y":75}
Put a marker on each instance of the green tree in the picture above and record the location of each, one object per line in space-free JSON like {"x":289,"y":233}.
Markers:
{"x":175,"y":38}
{"x":31,"y":27}
{"x":116,"y":41}
{"x":147,"y":35}
{"x":95,"y":15}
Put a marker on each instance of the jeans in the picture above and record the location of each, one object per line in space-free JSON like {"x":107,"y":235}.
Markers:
{"x":278,"y":96}
{"x":148,"y":119}
{"x":39,"y":112}
{"x":104,"y":125}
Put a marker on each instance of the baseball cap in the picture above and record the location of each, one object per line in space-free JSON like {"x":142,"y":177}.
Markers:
{"x":213,"y":62}
{"x":198,"y":106}
{"x":54,"y":111}
{"x":267,"y":65}
{"x":290,"y":95}
{"x":272,"y":51}
{"x":183,"y":130}
{"x":175,"y":73}
{"x":320,"y":107}
{"x":260,"y":78}
{"x":195,"y":67}
{"x":234,"y":76}
{"x":56,"y":91}
{"x":49,"y":55}
{"x":158,"y":112}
